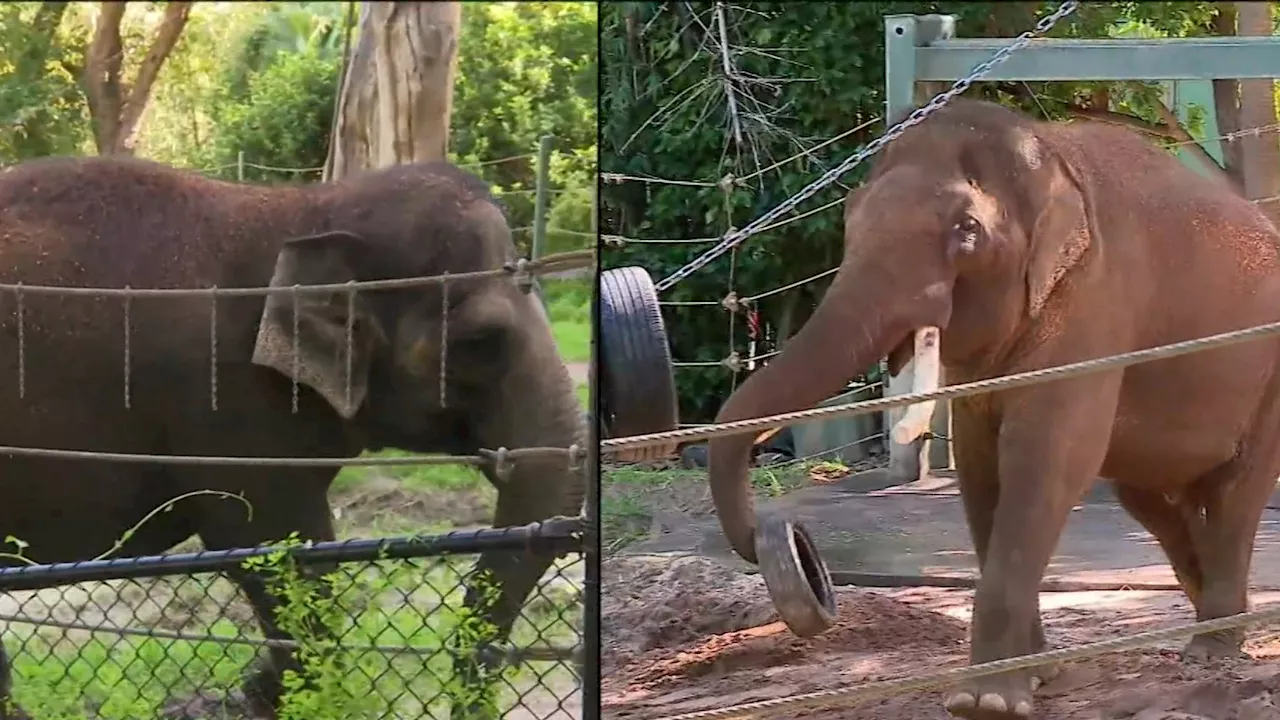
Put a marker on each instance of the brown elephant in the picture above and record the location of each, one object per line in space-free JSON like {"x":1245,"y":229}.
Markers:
{"x":122,"y":222}
{"x":1034,"y":244}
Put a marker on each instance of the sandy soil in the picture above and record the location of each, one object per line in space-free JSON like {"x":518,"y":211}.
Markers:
{"x":690,"y":634}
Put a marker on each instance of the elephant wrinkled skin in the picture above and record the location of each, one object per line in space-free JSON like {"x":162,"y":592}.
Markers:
{"x":120,"y":222}
{"x":1033,"y":244}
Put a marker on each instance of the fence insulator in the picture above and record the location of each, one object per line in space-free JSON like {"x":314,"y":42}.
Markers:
{"x":733,"y":362}
{"x":520,"y":274}
{"x":502,"y":465}
{"x":576,"y":456}
{"x":733,"y":303}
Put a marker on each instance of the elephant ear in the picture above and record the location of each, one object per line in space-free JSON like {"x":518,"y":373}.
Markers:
{"x":1062,"y":232}
{"x":322,"y":348}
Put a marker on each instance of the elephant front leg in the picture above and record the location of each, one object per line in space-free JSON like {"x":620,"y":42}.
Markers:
{"x":9,"y":709}
{"x":496,"y":592}
{"x":264,"y":688}
{"x":974,"y":444}
{"x":1052,"y":441}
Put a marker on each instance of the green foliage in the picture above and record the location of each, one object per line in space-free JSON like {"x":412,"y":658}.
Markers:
{"x":332,"y":617}
{"x":569,"y":220}
{"x":526,"y":70}
{"x":309,"y":612}
{"x":42,"y":111}
{"x":261,"y":78}
{"x":282,"y":120}
{"x":814,"y":71}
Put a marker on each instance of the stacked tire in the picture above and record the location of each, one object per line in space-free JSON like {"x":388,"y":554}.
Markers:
{"x":637,"y":381}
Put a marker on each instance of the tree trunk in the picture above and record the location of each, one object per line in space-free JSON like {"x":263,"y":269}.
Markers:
{"x":116,"y":108}
{"x":1260,"y":153}
{"x":1226,"y":100}
{"x":397,"y":95}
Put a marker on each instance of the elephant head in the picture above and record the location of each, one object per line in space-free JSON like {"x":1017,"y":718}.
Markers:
{"x":446,"y":367}
{"x":968,"y":222}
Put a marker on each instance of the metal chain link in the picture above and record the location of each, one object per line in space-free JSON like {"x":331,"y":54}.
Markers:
{"x":128,"y":349}
{"x":295,"y":367}
{"x":444,"y":343}
{"x":22,"y":342}
{"x":917,"y":116}
{"x":213,"y":348}
{"x":349,"y":361}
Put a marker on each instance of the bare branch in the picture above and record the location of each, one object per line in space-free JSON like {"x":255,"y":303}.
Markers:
{"x":171,"y":26}
{"x":1174,"y":126}
{"x":102,"y":75}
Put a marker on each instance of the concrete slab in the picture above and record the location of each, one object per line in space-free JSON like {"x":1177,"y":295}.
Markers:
{"x":865,"y":524}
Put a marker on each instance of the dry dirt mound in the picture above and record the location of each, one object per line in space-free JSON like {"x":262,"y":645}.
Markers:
{"x":650,"y":602}
{"x":693,"y":635}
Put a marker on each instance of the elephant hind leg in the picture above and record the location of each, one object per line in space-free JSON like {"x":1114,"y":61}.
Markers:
{"x":1166,"y":520}
{"x":1231,"y":501}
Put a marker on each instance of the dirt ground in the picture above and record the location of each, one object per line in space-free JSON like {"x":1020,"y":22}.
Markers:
{"x":688,"y":633}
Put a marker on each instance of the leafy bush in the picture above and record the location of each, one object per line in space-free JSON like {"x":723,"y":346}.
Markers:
{"x":569,"y":221}
{"x":283,"y":119}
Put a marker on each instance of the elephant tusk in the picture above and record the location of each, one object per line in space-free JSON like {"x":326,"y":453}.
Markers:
{"x":928,"y":370}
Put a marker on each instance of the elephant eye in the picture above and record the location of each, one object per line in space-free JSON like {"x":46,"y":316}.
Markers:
{"x":966,"y":233}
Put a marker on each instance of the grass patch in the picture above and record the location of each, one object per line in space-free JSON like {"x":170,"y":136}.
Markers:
{"x":632,"y":496}
{"x":439,"y":478}
{"x":569,"y":309}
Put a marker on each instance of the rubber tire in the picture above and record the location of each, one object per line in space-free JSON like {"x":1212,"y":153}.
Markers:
{"x":637,"y":379}
{"x":796,"y":577}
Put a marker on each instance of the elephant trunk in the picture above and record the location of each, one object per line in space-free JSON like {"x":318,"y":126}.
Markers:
{"x":845,"y":335}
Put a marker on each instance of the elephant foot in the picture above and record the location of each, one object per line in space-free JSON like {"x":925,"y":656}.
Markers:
{"x":1001,"y":697}
{"x":206,"y":706}
{"x":262,"y":691}
{"x":1215,"y":647}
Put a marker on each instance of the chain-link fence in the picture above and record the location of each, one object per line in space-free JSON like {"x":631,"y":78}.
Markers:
{"x":374,"y":629}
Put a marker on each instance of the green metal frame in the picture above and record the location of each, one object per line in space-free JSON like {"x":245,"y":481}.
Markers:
{"x":922,"y":49}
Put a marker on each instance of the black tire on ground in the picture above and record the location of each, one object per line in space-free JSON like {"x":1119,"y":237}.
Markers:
{"x":637,"y":382}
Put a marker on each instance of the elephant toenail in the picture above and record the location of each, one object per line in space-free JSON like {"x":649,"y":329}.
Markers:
{"x":992,"y":702}
{"x":1022,"y":709}
{"x":1036,"y":682}
{"x":961,"y":701}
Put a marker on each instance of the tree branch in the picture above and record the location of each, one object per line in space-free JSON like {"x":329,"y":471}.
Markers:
{"x":171,"y":26}
{"x":102,"y":75}
{"x":1189,"y":143}
{"x":33,"y":58}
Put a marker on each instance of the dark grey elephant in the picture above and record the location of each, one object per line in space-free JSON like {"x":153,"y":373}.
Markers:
{"x":117,"y":223}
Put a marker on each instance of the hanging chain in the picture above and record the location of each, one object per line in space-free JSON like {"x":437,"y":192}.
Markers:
{"x":128,"y":350}
{"x":444,"y":341}
{"x":213,"y":348}
{"x":22,"y":342}
{"x":351,"y":340}
{"x":296,"y":361}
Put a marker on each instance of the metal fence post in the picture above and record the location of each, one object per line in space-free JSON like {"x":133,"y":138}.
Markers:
{"x":540,"y":203}
{"x":240,"y":166}
{"x":902,"y":35}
